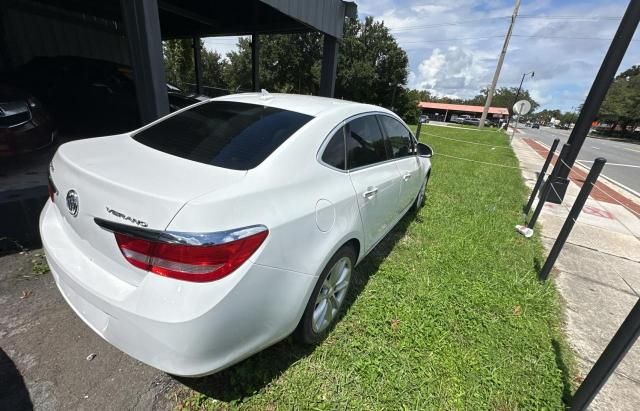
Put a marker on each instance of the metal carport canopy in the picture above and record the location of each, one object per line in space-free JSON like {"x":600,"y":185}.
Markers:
{"x":189,"y":18}
{"x":146,"y":22}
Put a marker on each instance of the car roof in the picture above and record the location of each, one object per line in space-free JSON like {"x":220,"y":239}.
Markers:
{"x":305,"y":104}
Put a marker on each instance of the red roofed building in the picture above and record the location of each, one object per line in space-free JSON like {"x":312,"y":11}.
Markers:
{"x":444,"y":112}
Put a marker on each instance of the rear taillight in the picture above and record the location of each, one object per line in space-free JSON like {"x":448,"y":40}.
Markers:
{"x":197,"y":263}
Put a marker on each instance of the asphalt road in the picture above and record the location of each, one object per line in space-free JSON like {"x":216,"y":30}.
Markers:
{"x":623,"y":159}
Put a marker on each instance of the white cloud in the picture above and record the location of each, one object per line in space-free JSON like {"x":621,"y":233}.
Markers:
{"x":452,"y":72}
{"x":457,"y":54}
{"x":222,"y":45}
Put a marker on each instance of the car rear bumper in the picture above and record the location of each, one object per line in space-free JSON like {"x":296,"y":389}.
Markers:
{"x":187,"y":329}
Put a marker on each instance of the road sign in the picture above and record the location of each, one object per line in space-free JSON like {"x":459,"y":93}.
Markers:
{"x":522,"y":107}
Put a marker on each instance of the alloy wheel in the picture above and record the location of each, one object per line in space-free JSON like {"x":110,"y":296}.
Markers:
{"x":331,"y":295}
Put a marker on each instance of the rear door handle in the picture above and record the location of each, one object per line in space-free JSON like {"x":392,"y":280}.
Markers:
{"x":406,"y":177}
{"x":372,"y":191}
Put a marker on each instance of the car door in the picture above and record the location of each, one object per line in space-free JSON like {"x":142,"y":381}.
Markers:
{"x":375,"y":178}
{"x":405,"y":158}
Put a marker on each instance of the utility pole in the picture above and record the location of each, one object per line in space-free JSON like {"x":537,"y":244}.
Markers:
{"x":515,"y":100}
{"x":496,"y":75}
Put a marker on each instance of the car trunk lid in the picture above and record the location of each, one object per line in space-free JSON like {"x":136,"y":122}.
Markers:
{"x":118,"y":179}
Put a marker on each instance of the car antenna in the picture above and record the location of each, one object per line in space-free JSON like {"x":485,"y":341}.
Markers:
{"x":265,"y":95}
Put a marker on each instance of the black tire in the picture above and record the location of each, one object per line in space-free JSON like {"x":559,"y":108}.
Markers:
{"x":305,"y":332}
{"x":422,"y":195}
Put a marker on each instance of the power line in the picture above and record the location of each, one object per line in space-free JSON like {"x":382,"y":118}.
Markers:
{"x":522,"y":36}
{"x":458,"y":23}
{"x":452,"y":39}
{"x":530,"y":16}
{"x":552,"y":17}
{"x":565,"y":38}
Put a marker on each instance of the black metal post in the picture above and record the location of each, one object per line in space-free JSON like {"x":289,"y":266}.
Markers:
{"x":587,"y":186}
{"x":418,"y":130}
{"x":546,"y":188}
{"x":142,"y":26}
{"x":255,"y":62}
{"x":329,"y":66}
{"x":197,"y":64}
{"x":601,"y":84}
{"x":543,"y":172}
{"x":621,"y":342}
{"x":559,"y":184}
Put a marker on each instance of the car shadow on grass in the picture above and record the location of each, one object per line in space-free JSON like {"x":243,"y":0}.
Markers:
{"x":250,"y":376}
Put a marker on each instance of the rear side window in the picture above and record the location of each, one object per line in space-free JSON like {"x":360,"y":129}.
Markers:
{"x":399,"y":137}
{"x":225,"y":134}
{"x":365,"y":143}
{"x":334,"y":153}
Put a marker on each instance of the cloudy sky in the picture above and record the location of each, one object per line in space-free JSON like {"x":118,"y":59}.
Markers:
{"x":453,"y":46}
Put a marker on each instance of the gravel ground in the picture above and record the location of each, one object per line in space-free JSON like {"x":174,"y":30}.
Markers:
{"x":45,"y":350}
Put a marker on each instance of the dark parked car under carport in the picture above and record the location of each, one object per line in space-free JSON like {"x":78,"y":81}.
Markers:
{"x":25,"y":125}
{"x":88,"y":95}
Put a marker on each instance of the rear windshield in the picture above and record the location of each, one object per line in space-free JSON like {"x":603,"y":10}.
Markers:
{"x":226,"y":134}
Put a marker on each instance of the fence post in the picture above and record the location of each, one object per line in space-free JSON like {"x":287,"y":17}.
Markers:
{"x":621,"y":342}
{"x":544,"y":193}
{"x":573,"y":215}
{"x":552,"y":151}
{"x":418,"y":130}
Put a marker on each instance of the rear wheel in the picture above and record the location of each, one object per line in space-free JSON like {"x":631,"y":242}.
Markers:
{"x":327,"y":298}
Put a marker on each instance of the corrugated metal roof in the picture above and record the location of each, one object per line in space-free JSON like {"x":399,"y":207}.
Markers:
{"x":462,"y":107}
{"x":326,"y":16}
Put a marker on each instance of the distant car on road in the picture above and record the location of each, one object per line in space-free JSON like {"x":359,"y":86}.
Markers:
{"x":25,"y":125}
{"x":535,"y":125}
{"x":424,"y":119}
{"x":490,"y":123}
{"x":460,"y":119}
{"x":471,"y":121}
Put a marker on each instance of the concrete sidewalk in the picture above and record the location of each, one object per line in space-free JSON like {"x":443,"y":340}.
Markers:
{"x":597,"y":274}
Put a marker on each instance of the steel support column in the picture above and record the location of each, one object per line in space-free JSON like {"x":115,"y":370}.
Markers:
{"x":329,"y":66}
{"x":142,"y":25}
{"x":197,"y":64}
{"x":255,"y":62}
{"x":599,"y":89}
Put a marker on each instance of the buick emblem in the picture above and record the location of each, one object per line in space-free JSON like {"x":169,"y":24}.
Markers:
{"x":73,"y":203}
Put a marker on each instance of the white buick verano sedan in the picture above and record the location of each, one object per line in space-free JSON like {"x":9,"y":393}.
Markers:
{"x":216,"y":231}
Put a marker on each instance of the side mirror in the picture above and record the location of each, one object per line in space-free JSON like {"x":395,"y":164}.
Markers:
{"x":424,"y":150}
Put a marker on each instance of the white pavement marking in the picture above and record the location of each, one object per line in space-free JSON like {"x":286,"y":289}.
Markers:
{"x":632,"y":149}
{"x":614,"y":164}
{"x":609,"y":179}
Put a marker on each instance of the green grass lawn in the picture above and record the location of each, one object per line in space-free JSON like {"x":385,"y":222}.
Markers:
{"x":446,"y":313}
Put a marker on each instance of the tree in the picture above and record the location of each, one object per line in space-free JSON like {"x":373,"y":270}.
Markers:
{"x":179,"y":65}
{"x":371,"y":68}
{"x":289,"y":63}
{"x":178,"y":62}
{"x":504,"y":97}
{"x":213,"y":69}
{"x":622,"y":103}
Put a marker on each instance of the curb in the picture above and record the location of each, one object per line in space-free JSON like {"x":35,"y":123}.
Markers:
{"x":609,"y":180}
